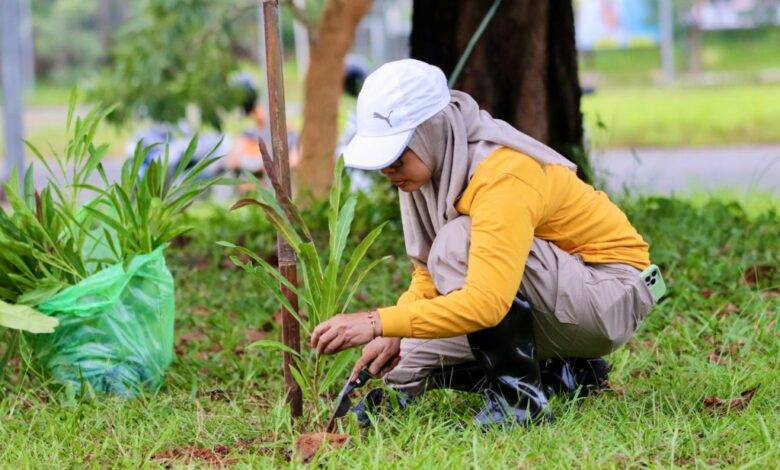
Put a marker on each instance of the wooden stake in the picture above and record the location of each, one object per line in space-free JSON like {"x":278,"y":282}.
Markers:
{"x":291,"y":335}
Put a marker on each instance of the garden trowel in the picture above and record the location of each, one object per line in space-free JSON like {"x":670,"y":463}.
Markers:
{"x":343,"y":402}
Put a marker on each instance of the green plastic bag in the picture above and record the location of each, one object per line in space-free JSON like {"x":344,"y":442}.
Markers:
{"x":116,"y":329}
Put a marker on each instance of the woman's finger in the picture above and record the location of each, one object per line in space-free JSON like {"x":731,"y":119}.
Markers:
{"x":325,"y":339}
{"x":378,"y":363}
{"x":336,"y":344}
{"x":390,"y":366}
{"x":318,"y":331}
{"x":369,"y":354}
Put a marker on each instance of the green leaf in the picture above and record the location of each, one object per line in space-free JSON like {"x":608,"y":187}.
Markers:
{"x":359,"y":280}
{"x":74,"y":96}
{"x":271,"y":344}
{"x":267,"y":267}
{"x":357,"y":256}
{"x":335,"y":200}
{"x":110,"y":222}
{"x":338,"y":369}
{"x":29,"y":189}
{"x":23,"y":317}
{"x":39,"y":295}
{"x":305,"y":386}
{"x":186,"y":158}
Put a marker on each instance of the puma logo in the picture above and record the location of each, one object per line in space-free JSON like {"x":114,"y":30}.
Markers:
{"x":384,"y":118}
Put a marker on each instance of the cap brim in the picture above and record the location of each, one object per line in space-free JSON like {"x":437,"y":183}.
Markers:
{"x":375,"y":152}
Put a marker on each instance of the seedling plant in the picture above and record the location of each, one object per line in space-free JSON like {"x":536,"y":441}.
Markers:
{"x":330,"y":276}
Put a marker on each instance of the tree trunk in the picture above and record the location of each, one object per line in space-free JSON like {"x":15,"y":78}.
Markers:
{"x":324,"y":81}
{"x":522,"y":70}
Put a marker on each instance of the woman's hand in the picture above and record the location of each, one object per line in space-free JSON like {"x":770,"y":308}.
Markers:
{"x":380,"y":355}
{"x":346,"y":330}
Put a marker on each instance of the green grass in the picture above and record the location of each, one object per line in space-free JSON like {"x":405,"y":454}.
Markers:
{"x":726,"y":115}
{"x":728,"y":51}
{"x":218,"y":394}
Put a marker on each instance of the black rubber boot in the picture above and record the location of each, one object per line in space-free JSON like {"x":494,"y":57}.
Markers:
{"x":506,"y":354}
{"x":566,"y":377}
{"x":466,"y":377}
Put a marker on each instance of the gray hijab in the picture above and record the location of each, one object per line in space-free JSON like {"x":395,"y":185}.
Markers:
{"x":452,"y":144}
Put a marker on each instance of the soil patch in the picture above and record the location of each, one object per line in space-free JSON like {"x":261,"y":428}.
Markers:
{"x":308,"y":444}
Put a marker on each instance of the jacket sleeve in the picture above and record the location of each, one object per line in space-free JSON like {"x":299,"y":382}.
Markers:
{"x":421,"y":287}
{"x":504,"y":214}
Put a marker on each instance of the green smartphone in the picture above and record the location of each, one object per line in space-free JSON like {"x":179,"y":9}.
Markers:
{"x":654,"y":282}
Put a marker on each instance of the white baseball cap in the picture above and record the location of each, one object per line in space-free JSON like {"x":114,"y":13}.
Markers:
{"x":395,"y":99}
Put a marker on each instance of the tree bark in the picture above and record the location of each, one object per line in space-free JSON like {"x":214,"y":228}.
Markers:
{"x":324,"y":81}
{"x":522,"y":70}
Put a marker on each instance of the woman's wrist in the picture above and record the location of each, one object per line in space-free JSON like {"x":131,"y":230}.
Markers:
{"x":376,"y":322}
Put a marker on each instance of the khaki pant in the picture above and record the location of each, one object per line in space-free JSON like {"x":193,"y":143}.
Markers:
{"x":579,"y":309}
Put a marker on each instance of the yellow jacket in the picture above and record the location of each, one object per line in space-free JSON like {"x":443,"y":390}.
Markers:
{"x":511,"y":199}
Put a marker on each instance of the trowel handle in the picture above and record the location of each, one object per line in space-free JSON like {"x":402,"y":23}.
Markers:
{"x":363,"y":377}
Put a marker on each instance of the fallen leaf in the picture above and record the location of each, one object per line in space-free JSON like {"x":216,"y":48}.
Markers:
{"x":737,"y":403}
{"x":253,"y":334}
{"x":183,"y":340}
{"x":201,"y":311}
{"x":723,"y":353}
{"x":199,"y":456}
{"x":754,"y":273}
{"x":716,"y":358}
{"x":648,"y":344}
{"x":256,"y":445}
{"x":640,"y":373}
{"x":681,"y":462}
{"x":735,"y":347}
{"x":706,"y":293}
{"x":218,"y":395}
{"x":771,"y":325}
{"x":609,"y":387}
{"x":727,"y":310}
{"x":192,"y":336}
{"x":771,"y":294}
{"x":308,"y":444}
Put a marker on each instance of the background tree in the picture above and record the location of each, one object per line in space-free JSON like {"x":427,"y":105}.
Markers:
{"x":523,"y":69}
{"x":173,"y":53}
{"x":63,"y":62}
{"x":176,"y":53}
{"x":323,"y":88}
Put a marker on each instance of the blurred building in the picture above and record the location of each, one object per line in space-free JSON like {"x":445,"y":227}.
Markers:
{"x":720,"y":15}
{"x":609,"y":24}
